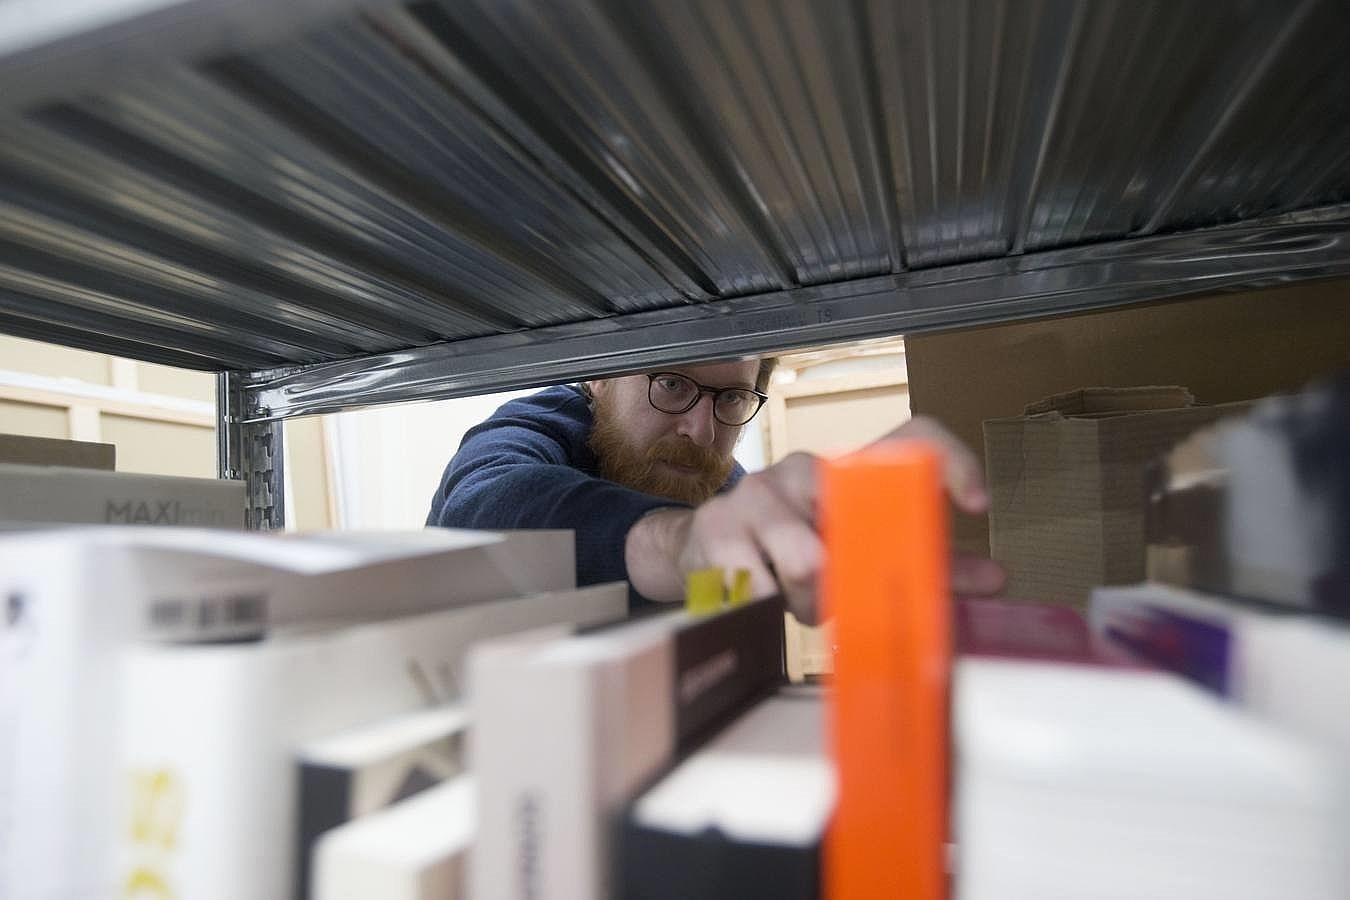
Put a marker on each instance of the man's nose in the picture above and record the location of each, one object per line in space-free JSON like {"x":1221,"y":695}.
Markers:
{"x":698,"y":423}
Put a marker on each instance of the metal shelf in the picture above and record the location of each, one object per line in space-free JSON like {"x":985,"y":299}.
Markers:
{"x":343,"y":203}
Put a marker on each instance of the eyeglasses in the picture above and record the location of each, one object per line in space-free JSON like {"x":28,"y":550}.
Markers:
{"x":673,"y":393}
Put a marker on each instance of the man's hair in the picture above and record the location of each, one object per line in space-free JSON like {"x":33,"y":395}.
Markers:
{"x":766,"y":367}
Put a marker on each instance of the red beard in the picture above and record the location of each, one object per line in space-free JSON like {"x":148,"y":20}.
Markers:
{"x":639,"y":469}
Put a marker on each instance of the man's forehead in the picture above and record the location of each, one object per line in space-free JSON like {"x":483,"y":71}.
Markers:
{"x":724,"y":372}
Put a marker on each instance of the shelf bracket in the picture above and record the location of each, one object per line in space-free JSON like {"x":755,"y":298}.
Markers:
{"x":252,"y":452}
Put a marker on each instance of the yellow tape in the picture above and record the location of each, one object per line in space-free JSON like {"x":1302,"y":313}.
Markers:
{"x":740,"y":587}
{"x":703,"y":591}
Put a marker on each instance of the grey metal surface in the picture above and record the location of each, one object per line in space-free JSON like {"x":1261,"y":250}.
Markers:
{"x":229,"y":405}
{"x":1058,"y":282}
{"x":251,"y":452}
{"x":337,"y":182}
{"x":264,"y":475}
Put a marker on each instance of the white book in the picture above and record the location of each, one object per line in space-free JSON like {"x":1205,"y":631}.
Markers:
{"x":223,"y":723}
{"x":1080,"y":782}
{"x":91,"y":496}
{"x":743,"y":816}
{"x":74,"y":598}
{"x":565,"y":731}
{"x":181,"y":584}
{"x":70,"y":710}
{"x":1289,"y":667}
{"x":217,"y":727}
{"x":765,"y":780}
{"x":414,"y":850}
{"x":361,"y":770}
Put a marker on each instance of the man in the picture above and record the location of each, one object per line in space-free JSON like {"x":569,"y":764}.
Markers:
{"x":641,"y":468}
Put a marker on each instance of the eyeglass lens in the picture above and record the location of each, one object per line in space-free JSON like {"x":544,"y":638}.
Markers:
{"x":673,"y":393}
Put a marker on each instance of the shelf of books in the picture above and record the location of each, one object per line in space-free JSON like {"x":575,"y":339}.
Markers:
{"x":344,"y":203}
{"x":205,"y":712}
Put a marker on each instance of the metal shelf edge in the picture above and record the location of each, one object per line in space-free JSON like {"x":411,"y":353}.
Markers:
{"x":1136,"y":270}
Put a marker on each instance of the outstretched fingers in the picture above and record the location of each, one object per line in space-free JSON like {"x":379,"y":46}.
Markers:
{"x":762,"y":526}
{"x":962,"y":472}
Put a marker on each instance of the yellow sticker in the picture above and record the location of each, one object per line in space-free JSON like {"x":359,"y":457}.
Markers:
{"x":703,"y":591}
{"x":740,"y":587}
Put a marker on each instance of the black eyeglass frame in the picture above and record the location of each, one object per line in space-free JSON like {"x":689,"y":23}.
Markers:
{"x":701,"y":390}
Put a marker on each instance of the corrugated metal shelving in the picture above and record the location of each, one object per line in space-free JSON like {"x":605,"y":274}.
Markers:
{"x":339,"y":203}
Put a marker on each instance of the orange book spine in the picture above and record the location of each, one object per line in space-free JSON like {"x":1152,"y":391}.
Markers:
{"x":883,"y":519}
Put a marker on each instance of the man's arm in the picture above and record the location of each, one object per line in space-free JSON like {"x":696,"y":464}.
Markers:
{"x":519,"y":477}
{"x":766,"y":524}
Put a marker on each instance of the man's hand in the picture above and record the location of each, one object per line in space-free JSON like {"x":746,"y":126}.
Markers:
{"x":766,"y":524}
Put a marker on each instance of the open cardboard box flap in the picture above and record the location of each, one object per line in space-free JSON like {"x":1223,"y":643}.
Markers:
{"x":1107,"y":401}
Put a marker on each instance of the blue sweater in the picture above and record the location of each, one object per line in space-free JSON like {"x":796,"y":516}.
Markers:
{"x":529,"y":466}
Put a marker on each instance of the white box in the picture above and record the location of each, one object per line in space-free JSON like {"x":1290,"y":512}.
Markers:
{"x":89,"y":496}
{"x":77,"y":598}
{"x":218,"y":727}
{"x":1288,"y":667}
{"x":1079,"y":782}
{"x":415,"y":850}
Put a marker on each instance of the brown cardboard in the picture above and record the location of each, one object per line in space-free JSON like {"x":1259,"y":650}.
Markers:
{"x":1066,"y":483}
{"x":1112,"y":401}
{"x":24,"y":450}
{"x":1224,"y":348}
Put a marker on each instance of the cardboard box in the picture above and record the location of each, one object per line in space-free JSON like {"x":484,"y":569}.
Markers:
{"x":55,"y":494}
{"x":24,"y":450}
{"x":1225,"y":348}
{"x":1066,"y":480}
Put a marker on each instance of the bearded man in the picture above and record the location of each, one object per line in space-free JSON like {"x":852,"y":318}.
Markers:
{"x":641,"y":468}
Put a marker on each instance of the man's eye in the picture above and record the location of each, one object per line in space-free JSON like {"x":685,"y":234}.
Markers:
{"x":671,"y":385}
{"x":736,"y":399}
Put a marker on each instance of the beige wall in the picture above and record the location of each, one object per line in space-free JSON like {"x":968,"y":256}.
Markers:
{"x":51,"y":361}
{"x":35,"y":358}
{"x":826,"y":402}
{"x":835,"y":400}
{"x":1224,"y":347}
{"x":34,"y":419}
{"x":162,"y":448}
{"x":161,"y":420}
{"x":310,"y":500}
